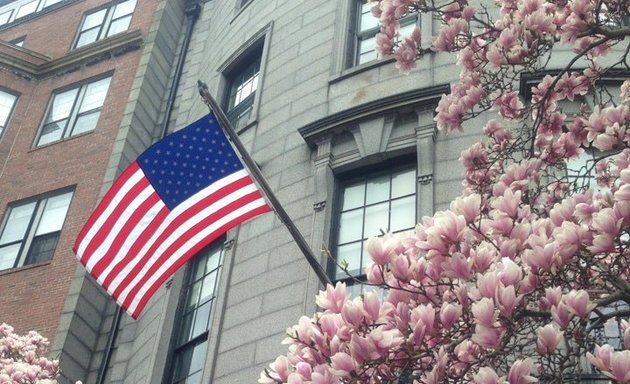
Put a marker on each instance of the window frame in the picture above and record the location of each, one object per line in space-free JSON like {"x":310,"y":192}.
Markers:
{"x":405,"y":163}
{"x":3,"y":128}
{"x":75,"y":110}
{"x":180,"y":347}
{"x":357,"y":35}
{"x":259,"y":40}
{"x":30,"y":232}
{"x":105,"y":25}
{"x":236,"y":112}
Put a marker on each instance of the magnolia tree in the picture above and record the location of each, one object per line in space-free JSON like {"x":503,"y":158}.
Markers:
{"x":515,"y":281}
{"x":22,"y":358}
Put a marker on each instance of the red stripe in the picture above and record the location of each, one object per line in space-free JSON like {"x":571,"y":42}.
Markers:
{"x":137,"y":245}
{"x":123,"y":234}
{"x":181,"y":240}
{"x":110,"y":222}
{"x":192,"y":252}
{"x":176,"y":223}
{"x":107,"y":199}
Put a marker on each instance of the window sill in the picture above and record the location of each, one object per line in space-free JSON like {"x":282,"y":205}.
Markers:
{"x":352,"y":71}
{"x":247,"y":126}
{"x":62,"y":140}
{"x":9,"y":271}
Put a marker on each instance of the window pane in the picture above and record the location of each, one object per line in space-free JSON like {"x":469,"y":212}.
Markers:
{"x":403,"y":183}
{"x":48,"y":3}
{"x":95,"y":95}
{"x":367,"y":50}
{"x":86,"y":123}
{"x":42,"y":248}
{"x":6,"y":106}
{"x":17,"y":223}
{"x":406,"y":28}
{"x":212,"y":262}
{"x":198,"y":358}
{"x":201,"y":320}
{"x":403,"y":214}
{"x":119,"y":25}
{"x":353,"y":196}
{"x":54,"y":214}
{"x":4,"y":18}
{"x":207,"y":290}
{"x":375,"y":219}
{"x":52,"y":132}
{"x":193,"y":295}
{"x":351,"y":253}
{"x":368,"y":21}
{"x":182,"y":365}
{"x":124,"y":8}
{"x":27,"y":9}
{"x":377,"y":190}
{"x":350,"y":226}
{"x":62,"y":105}
{"x":87,"y":37}
{"x":8,"y":255}
{"x":186,"y":327}
{"x":93,"y":20}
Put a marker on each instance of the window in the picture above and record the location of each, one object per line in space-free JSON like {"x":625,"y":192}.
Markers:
{"x":243,"y":82}
{"x":105,"y":22}
{"x":31,"y":230}
{"x":7,"y":101}
{"x":385,"y":201}
{"x":18,"y":42}
{"x":192,"y":342}
{"x":5,"y":17}
{"x":367,"y":26}
{"x":74,"y":111}
{"x":20,"y":8}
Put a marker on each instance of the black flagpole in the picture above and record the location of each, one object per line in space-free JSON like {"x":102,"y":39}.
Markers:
{"x":262,"y":183}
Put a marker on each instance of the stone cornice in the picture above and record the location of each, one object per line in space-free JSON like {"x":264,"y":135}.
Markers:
{"x":323,"y":126}
{"x":32,"y":65}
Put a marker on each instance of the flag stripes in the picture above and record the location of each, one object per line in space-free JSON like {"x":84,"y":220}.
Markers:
{"x":133,"y":242}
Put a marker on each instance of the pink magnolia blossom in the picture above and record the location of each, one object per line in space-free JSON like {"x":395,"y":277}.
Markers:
{"x":548,"y":339}
{"x":505,"y":285}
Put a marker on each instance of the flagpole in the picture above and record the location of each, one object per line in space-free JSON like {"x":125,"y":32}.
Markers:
{"x":262,"y":183}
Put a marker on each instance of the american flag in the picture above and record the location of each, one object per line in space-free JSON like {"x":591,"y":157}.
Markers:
{"x":178,"y":196}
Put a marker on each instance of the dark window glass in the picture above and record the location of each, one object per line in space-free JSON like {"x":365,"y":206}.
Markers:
{"x":192,"y":341}
{"x":243,"y":83}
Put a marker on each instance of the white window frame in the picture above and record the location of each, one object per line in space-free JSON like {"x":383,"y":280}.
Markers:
{"x":74,"y":114}
{"x":103,"y":27}
{"x":37,"y":216}
{"x":4,"y":121}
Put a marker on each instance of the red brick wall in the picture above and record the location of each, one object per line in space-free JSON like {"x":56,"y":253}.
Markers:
{"x":32,"y":297}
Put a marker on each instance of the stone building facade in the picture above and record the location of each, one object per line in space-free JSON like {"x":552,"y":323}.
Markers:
{"x":343,"y":140}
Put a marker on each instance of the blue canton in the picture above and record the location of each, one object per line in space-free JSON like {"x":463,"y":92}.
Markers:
{"x":189,"y":160}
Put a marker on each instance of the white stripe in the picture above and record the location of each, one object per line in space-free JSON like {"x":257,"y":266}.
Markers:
{"x":180,"y":231}
{"x":175,"y":213}
{"x":114,"y":230}
{"x":124,"y":189}
{"x":189,"y":244}
{"x":131,"y":239}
